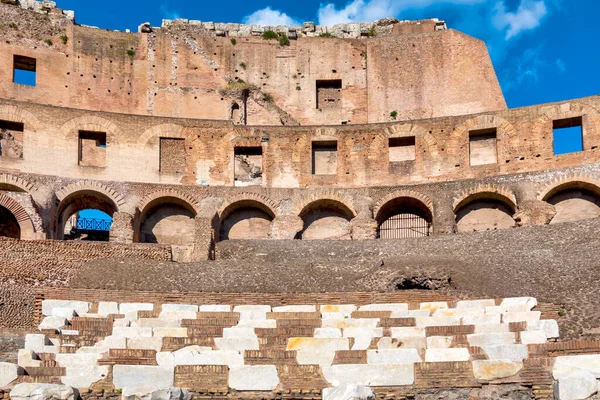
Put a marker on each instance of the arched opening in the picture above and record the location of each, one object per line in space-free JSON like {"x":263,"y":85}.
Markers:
{"x":483,"y":213}
{"x":167,"y":220}
{"x":85,"y":215}
{"x":403,"y":217}
{"x":246,"y":219}
{"x":326,"y":220}
{"x":574,"y":205}
{"x":9,"y":226}
{"x":235,"y":113}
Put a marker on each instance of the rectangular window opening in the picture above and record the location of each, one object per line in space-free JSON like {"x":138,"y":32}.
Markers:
{"x":483,"y":147}
{"x":92,"y":149}
{"x":402,"y":149}
{"x":324,"y":158}
{"x":247,"y":168}
{"x":567,"y":135}
{"x":11,"y":139}
{"x":24,"y":70}
{"x":329,"y":94}
{"x":172,"y":156}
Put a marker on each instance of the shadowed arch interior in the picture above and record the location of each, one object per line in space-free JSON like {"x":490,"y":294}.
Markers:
{"x":166,"y":220}
{"x":245,"y":219}
{"x":9,"y":226}
{"x":403,"y":217}
{"x":78,"y":201}
{"x":484,"y":212}
{"x":574,"y":201}
{"x":326,"y":219}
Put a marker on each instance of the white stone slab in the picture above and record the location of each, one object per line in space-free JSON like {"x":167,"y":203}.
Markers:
{"x":131,"y":332}
{"x":495,"y":369}
{"x":489,"y":339}
{"x":395,"y":356}
{"x":411,"y":342}
{"x":69,"y":332}
{"x":485,"y":319}
{"x":179,"y":308}
{"x":577,"y":385}
{"x":257,"y":323}
{"x":8,"y":373}
{"x":252,"y":308}
{"x":142,"y":375}
{"x":215,"y":308}
{"x":76,"y":360}
{"x":156,"y":323}
{"x":35,"y":342}
{"x":348,"y":392}
{"x":528,"y":316}
{"x":433,"y":305}
{"x":345,"y":309}
{"x":300,"y":308}
{"x":548,"y":326}
{"x":145,"y":343}
{"x":494,"y":310}
{"x":437,"y":321}
{"x":439,"y":342}
{"x":255,"y":377}
{"x":370,"y":375}
{"x":318,"y":344}
{"x":253,"y":316}
{"x":458,"y":313}
{"x":407,"y":331}
{"x":481,"y":304}
{"x":323,"y":358}
{"x":106,"y":308}
{"x":53,"y":323}
{"x":111,"y":342}
{"x":361,"y":332}
{"x":41,"y":391}
{"x":447,"y":355}
{"x":220,"y":357}
{"x":80,"y":307}
{"x":178,"y":315}
{"x":238,"y":332}
{"x":492,"y":328}
{"x":585,"y":362}
{"x":237,"y":344}
{"x":28,"y":358}
{"x":515,"y":303}
{"x":125,"y":308}
{"x":394,"y":307}
{"x":350,"y":323}
{"x":510,"y":352}
{"x":533,"y":337}
{"x":63,"y":312}
{"x":83,"y":377}
{"x":169,"y":332}
{"x":328,"y":333}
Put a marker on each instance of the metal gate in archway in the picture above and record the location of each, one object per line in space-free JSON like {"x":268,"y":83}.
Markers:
{"x":404,"y":226}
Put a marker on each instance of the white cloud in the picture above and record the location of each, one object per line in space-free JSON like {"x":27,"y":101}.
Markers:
{"x":561,"y":66}
{"x":527,"y":16}
{"x":167,"y":12}
{"x":269,"y":17}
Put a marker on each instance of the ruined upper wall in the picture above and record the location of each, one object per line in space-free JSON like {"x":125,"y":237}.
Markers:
{"x":408,"y":70}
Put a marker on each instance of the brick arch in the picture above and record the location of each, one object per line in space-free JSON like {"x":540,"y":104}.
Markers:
{"x":408,"y":194}
{"x":486,"y":192}
{"x":569,"y":182}
{"x":567,"y":110}
{"x":71,"y":128}
{"x":91,"y":186}
{"x":19,"y":114}
{"x":163,"y":130}
{"x":506,"y":135}
{"x":406,"y":130}
{"x":315,"y":198}
{"x":150,"y":199}
{"x":25,"y":222}
{"x":15,"y":182}
{"x":234,"y":202}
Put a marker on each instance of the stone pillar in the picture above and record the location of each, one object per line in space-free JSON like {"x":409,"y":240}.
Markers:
{"x":534,"y":212}
{"x":121,"y":230}
{"x":364,"y":228}
{"x":204,"y":245}
{"x":286,"y":227}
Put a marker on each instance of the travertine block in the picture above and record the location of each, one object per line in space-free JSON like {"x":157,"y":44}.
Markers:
{"x":492,"y":338}
{"x":528,"y":316}
{"x":350,"y":323}
{"x":576,"y":385}
{"x":238,"y":332}
{"x":131,"y":332}
{"x":446,"y":355}
{"x":125,"y":308}
{"x":169,"y":308}
{"x":328,"y":333}
{"x":142,"y":375}
{"x":348,"y":392}
{"x":548,"y":326}
{"x":437,"y":321}
{"x":53,"y":323}
{"x":252,"y":308}
{"x":318,"y":344}
{"x":394,"y":307}
{"x":40,"y":391}
{"x":108,"y":307}
{"x":433,"y":305}
{"x":393,"y":356}
{"x":156,"y":323}
{"x":300,"y":308}
{"x":344,"y":309}
{"x":169,"y":332}
{"x":518,"y":303}
{"x":63,"y":312}
{"x":492,"y":328}
{"x":145,"y":343}
{"x":237,"y":344}
{"x":585,"y":362}
{"x":439,"y":342}
{"x":257,"y":377}
{"x":323,"y":358}
{"x":214,"y":308}
{"x":35,"y":342}
{"x":533,"y":337}
{"x":407,"y":331}
{"x":28,"y":358}
{"x":80,"y":307}
{"x":370,"y":375}
{"x":413,"y":342}
{"x":511,"y":352}
{"x":495,"y":369}
{"x":9,"y":373}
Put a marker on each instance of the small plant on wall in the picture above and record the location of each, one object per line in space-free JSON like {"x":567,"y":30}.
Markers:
{"x":394,"y":115}
{"x":233,"y":41}
{"x":130,"y":53}
{"x":243,"y":65}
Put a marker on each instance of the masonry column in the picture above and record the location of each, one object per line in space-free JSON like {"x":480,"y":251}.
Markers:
{"x":121,"y":230}
{"x":204,"y":245}
{"x":286,"y":227}
{"x":364,"y":228}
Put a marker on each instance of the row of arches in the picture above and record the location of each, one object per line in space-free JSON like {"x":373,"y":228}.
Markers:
{"x":169,"y":218}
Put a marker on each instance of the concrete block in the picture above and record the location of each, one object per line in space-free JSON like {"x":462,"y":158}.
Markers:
{"x":370,"y":375}
{"x":447,"y":355}
{"x":179,"y":308}
{"x":106,"y":308}
{"x":53,"y":323}
{"x":41,"y":391}
{"x":384,"y":307}
{"x":306,"y":308}
{"x":9,"y":372}
{"x":323,"y":358}
{"x":393,"y":356}
{"x":214,"y":308}
{"x":256,"y":377}
{"x":533,"y":337}
{"x":548,"y":326}
{"x":407,"y":331}
{"x":328,"y":333}
{"x":80,"y":307}
{"x":489,"y":339}
{"x":495,"y":369}
{"x":237,"y":344}
{"x":510,"y":352}
{"x":439,"y":342}
{"x":318,"y":344}
{"x":125,"y":308}
{"x":348,"y":392}
{"x":142,"y":375}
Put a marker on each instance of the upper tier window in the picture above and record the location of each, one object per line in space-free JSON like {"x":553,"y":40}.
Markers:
{"x":24,"y":70}
{"x":568,"y":135}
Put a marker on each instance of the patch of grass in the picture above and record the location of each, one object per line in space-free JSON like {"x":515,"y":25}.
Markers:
{"x":243,"y":65}
{"x":372,"y":32}
{"x":48,"y":42}
{"x":64,"y":39}
{"x":267,"y":97}
{"x":326,"y":35}
{"x":394,"y":115}
{"x":284,"y":40}
{"x":233,"y":41}
{"x":237,"y":85}
{"x":561,"y":314}
{"x":270,"y":35}
{"x":131,"y":53}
